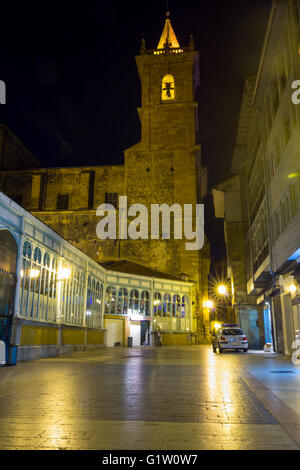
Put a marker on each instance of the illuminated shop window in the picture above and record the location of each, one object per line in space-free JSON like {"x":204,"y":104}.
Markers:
{"x":25,"y":295}
{"x":134,"y":302}
{"x":167,"y":305}
{"x":27,"y":250}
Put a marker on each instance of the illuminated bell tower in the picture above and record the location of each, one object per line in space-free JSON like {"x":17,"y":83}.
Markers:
{"x":169,"y":77}
{"x":165,"y":166}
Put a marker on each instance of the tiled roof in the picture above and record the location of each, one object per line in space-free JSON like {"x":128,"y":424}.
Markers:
{"x":129,"y":267}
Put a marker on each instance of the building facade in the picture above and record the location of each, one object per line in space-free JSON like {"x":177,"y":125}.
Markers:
{"x":266,"y":185}
{"x":163,"y":168}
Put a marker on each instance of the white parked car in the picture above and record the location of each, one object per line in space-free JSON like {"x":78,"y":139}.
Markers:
{"x":229,"y":337}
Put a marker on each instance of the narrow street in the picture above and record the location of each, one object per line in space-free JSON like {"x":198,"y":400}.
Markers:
{"x":151,"y":398}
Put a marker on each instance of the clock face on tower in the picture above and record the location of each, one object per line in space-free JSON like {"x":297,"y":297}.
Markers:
{"x":168,"y":88}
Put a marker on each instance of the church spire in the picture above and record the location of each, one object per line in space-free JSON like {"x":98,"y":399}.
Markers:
{"x":168,"y":39}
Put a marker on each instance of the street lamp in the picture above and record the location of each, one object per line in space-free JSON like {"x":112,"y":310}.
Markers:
{"x":216,"y":325}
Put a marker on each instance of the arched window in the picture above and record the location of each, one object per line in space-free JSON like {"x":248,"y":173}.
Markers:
{"x":93,"y":302}
{"x":45,"y":285}
{"x":119,"y":302}
{"x":37,"y":256}
{"x":178,"y":306}
{"x":144,"y":305}
{"x":53,"y":282}
{"x":122,"y":301}
{"x":174,"y":306}
{"x":110,"y":300}
{"x":66,"y":294}
{"x":168,"y":88}
{"x":167,"y":305}
{"x":35,"y":274}
{"x":26,"y":276}
{"x":169,"y":309}
{"x":46,"y":260}
{"x":89,"y":297}
{"x":27,"y":250}
{"x":134,"y":301}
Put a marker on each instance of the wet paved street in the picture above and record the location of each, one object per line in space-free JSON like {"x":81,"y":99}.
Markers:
{"x":151,"y":398}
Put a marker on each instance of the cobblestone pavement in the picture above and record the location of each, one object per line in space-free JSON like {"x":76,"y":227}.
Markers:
{"x":151,"y":398}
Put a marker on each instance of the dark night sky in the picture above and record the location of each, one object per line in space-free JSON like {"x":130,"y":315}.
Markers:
{"x":72,"y":83}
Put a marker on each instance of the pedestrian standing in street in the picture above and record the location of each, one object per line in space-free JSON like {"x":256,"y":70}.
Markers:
{"x":158,"y":338}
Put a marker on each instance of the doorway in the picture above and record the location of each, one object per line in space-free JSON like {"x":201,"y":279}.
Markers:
{"x":135,"y":333}
{"x":145,"y":330}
